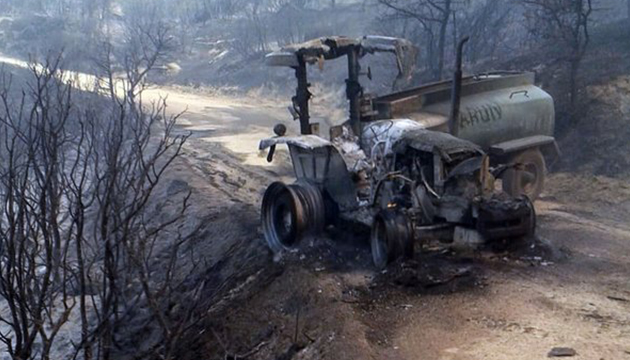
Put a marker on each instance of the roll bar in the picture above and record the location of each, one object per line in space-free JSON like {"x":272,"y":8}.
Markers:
{"x":299,"y":55}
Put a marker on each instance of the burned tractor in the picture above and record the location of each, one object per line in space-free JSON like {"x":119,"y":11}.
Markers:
{"x":417,"y":165}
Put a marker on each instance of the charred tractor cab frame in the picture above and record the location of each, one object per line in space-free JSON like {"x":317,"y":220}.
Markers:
{"x":417,"y":165}
{"x":354,"y":90}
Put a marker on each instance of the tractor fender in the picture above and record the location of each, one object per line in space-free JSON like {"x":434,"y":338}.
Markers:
{"x":320,"y":162}
{"x":546,"y":144}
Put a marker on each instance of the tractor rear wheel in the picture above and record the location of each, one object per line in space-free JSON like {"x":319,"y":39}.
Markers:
{"x":289,"y":212}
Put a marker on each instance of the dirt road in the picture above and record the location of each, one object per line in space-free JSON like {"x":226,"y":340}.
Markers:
{"x":325,"y":301}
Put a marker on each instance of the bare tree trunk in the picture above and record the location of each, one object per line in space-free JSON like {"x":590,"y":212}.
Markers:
{"x":333,"y":7}
{"x":83,"y":278}
{"x":431,"y":58}
{"x":569,"y":27}
{"x":34,"y":273}
{"x":445,"y":16}
{"x":573,"y":90}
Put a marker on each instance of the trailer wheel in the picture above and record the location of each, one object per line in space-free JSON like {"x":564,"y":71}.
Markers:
{"x":289,"y":212}
{"x":391,"y":238}
{"x":528,"y":178}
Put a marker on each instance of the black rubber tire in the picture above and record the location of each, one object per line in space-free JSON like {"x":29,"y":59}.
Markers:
{"x":391,"y":238}
{"x":529,"y":179}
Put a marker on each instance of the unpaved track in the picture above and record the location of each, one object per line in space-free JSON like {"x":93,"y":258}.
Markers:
{"x":577,"y":295}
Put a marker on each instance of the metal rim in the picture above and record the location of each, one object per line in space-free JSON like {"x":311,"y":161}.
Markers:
{"x":528,"y":178}
{"x":280,"y":217}
{"x":532,"y":219}
{"x":380,"y":243}
{"x":313,"y":205}
{"x":291,"y":211}
{"x":391,"y":237}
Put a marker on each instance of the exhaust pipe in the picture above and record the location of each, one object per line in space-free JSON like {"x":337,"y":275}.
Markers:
{"x":354,"y":90}
{"x":456,"y":93}
{"x":302,"y":96}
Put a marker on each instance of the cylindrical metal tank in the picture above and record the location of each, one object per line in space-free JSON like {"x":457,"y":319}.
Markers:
{"x":494,"y":108}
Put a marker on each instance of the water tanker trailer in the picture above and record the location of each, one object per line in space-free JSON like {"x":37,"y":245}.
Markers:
{"x":415,"y":166}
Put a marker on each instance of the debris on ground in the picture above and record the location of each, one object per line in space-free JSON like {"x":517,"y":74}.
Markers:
{"x":562,"y":352}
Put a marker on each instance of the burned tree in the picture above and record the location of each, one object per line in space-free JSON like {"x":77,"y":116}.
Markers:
{"x":434,"y":16}
{"x":488,"y":24}
{"x":79,"y":172}
{"x":564,"y":24}
{"x":35,"y":267}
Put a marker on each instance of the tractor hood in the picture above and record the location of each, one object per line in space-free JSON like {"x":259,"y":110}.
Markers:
{"x":396,"y":136}
{"x":432,"y":141}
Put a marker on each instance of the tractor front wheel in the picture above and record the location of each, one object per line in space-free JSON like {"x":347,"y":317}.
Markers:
{"x":391,"y":237}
